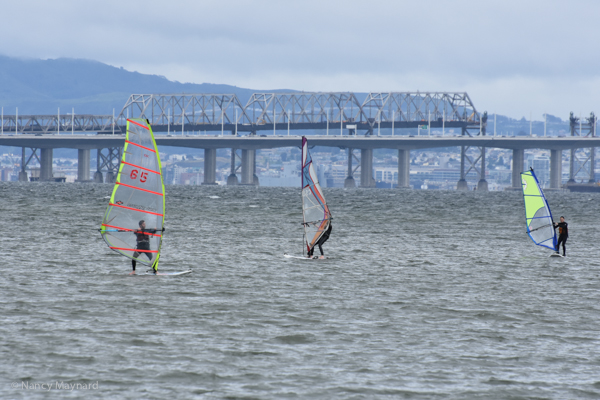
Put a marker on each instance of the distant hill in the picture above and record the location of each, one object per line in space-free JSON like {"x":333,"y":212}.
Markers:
{"x":41,"y":86}
{"x":91,"y":87}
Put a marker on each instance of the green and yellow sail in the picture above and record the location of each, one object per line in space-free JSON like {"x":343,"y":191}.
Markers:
{"x":538,"y":217}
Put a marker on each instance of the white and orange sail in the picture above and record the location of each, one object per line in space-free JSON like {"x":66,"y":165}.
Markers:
{"x":138,"y":194}
{"x":317,"y":216}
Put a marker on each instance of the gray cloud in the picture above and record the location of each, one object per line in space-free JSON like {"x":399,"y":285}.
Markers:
{"x":512,"y":56}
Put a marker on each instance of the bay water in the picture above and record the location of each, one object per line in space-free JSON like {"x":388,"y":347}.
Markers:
{"x":424,"y":295}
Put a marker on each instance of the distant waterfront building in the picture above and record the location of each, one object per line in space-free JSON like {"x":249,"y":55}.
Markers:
{"x":541,"y":166}
{"x":288,"y":176}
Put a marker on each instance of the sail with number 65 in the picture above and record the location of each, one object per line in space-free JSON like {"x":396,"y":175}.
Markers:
{"x":138,"y":195}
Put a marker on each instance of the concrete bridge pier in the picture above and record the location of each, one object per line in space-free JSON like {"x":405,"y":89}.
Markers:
{"x":482,"y":184}
{"x":111,"y":176}
{"x":210,"y":166}
{"x":517,"y":167}
{"x":555,"y":169}
{"x":98,"y":178}
{"x":571,"y":168}
{"x":592,"y":165}
{"x":249,"y":178}
{"x":23,"y":173}
{"x":349,"y":181}
{"x":403,"y":169}
{"x":366,"y":168}
{"x":462,"y":182}
{"x":83,"y":165}
{"x":46,"y":165}
{"x":232,"y":179}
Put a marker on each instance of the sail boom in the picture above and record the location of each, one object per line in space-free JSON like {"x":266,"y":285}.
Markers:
{"x":135,"y":209}
{"x":135,"y":250}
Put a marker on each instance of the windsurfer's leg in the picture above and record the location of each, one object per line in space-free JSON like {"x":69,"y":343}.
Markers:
{"x":311,"y":251}
{"x":133,"y":263}
{"x":564,"y":246}
{"x":321,"y":249}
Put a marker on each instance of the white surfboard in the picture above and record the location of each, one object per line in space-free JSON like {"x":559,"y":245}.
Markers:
{"x":149,"y":273}
{"x":557,"y":255}
{"x":189,"y":271}
{"x":305,"y":257}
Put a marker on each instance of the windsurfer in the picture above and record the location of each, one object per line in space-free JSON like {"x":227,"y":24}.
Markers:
{"x":143,"y":243}
{"x":563,"y":234}
{"x":320,"y":242}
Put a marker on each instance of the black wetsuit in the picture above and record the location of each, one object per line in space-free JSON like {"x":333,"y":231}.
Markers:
{"x":563,"y":234}
{"x":143,"y":243}
{"x":321,"y":241}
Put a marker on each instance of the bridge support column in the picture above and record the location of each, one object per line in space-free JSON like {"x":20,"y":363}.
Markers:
{"x":210,"y":166}
{"x":366,"y":168}
{"x":83,"y":165}
{"x":46,"y":165}
{"x":349,"y":181}
{"x":98,"y":178}
{"x":592,"y":165}
{"x":248,"y":165}
{"x":403,"y":169}
{"x":517,"y":167}
{"x":232,"y":178}
{"x":555,"y":169}
{"x":571,"y":167}
{"x":462,"y":182}
{"x":255,"y":177}
{"x":482,"y":184}
{"x":23,"y":172}
{"x":111,"y":176}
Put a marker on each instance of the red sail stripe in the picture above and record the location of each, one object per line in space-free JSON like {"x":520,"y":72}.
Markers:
{"x":138,"y":124}
{"x":136,"y":250}
{"x":139,"y":188}
{"x":139,"y":145}
{"x":137,"y":166}
{"x":135,"y":209}
{"x":131,"y":230}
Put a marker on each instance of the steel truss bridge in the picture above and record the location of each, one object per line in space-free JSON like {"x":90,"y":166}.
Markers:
{"x":266,"y":111}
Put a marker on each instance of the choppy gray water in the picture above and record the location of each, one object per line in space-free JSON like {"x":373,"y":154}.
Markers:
{"x":427,"y":294}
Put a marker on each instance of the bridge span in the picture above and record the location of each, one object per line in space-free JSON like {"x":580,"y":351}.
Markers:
{"x":348,"y":123}
{"x":249,"y":144}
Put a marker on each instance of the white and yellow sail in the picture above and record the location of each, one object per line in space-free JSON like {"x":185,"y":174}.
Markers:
{"x":538,"y":217}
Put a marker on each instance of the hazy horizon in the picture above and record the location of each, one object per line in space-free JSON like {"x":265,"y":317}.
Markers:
{"x":513,"y":58}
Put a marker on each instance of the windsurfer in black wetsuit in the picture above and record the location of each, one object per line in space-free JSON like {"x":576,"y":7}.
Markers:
{"x":320,"y":242}
{"x":142,"y":238}
{"x":563,"y":234}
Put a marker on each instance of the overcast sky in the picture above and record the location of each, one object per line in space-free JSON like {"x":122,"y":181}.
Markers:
{"x":512,"y":57}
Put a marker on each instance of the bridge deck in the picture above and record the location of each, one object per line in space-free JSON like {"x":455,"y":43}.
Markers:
{"x":269,"y":142}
